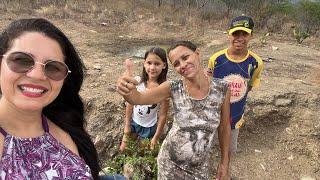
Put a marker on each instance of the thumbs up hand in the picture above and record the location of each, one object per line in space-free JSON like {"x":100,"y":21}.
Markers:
{"x":128,"y":65}
{"x":126,"y":83}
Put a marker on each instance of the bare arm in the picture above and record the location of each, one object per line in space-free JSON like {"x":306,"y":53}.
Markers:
{"x":127,"y":126}
{"x":224,"y":134}
{"x":126,"y":86}
{"x":164,"y":106}
{"x":128,"y":117}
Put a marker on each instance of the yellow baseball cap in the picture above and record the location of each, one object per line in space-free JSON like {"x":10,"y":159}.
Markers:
{"x":241,"y":23}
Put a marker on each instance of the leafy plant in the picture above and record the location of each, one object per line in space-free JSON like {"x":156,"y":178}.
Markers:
{"x":138,"y":158}
{"x":300,"y":35}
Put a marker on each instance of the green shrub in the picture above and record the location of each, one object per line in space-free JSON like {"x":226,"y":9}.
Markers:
{"x":308,"y":15}
{"x":139,"y":156}
{"x":300,"y":35}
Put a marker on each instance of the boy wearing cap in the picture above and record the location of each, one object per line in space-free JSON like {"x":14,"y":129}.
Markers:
{"x":240,"y":67}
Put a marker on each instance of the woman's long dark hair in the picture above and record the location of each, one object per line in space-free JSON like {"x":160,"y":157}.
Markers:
{"x":163,"y":56}
{"x":67,"y":110}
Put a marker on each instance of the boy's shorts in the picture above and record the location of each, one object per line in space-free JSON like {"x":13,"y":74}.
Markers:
{"x":233,"y":141}
{"x":143,"y":132}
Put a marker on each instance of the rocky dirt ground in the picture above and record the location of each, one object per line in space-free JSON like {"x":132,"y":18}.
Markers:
{"x":281,"y":138}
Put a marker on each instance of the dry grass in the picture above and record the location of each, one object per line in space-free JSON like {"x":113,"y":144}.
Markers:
{"x":109,"y":12}
{"x":122,"y":12}
{"x":112,"y":11}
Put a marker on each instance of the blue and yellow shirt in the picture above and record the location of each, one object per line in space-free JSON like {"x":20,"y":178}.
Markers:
{"x":240,"y":74}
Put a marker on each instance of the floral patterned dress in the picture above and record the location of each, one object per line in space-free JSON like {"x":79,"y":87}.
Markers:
{"x":186,"y":153}
{"x":41,"y":157}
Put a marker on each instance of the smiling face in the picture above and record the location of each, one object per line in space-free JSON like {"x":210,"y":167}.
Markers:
{"x":32,"y":90}
{"x":239,"y":40}
{"x":185,"y":61}
{"x":153,"y":66}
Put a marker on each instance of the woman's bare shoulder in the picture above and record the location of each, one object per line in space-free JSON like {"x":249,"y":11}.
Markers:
{"x":62,"y":137}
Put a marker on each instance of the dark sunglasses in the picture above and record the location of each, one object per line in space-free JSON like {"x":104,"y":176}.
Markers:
{"x":21,"y":62}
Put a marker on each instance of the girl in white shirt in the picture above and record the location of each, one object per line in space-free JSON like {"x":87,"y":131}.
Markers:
{"x":141,"y":121}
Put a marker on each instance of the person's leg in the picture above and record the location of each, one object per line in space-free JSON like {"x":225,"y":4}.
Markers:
{"x":234,"y":141}
{"x":233,"y":146}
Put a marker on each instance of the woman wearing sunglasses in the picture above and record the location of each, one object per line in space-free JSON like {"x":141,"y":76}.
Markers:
{"x":42,"y":133}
